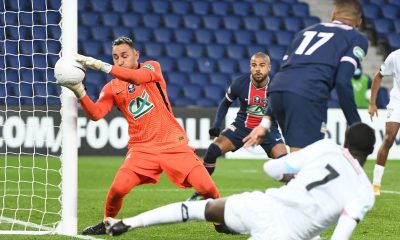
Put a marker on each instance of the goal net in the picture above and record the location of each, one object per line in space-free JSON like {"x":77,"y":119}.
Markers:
{"x":32,"y":170}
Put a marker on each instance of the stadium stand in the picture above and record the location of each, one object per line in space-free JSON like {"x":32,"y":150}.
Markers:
{"x":197,"y":42}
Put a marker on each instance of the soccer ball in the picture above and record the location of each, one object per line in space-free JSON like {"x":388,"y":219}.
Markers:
{"x":68,"y":71}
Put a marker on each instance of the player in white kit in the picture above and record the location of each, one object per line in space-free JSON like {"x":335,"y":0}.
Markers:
{"x":327,"y":185}
{"x":391,"y":67}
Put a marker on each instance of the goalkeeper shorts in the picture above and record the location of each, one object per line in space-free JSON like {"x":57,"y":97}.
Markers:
{"x":175,"y":162}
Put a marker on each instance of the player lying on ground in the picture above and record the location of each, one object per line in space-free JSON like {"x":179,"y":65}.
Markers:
{"x":157,"y":141}
{"x":329,"y":187}
{"x":251,"y":90}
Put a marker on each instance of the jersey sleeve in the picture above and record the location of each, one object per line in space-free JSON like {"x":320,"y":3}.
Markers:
{"x":149,"y":72}
{"x":387,"y":68}
{"x":232,"y":91}
{"x":358,"y":208}
{"x":103,"y":105}
{"x":294,"y":162}
{"x":357,"y":51}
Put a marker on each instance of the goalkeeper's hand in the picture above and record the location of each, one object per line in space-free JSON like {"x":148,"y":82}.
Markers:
{"x":93,"y":63}
{"x":214,"y":131}
{"x":77,"y":88}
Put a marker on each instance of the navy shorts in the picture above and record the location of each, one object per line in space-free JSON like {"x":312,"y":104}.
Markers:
{"x":236,"y":134}
{"x":302,"y":120}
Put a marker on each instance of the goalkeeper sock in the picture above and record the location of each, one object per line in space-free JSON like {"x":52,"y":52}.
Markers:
{"x":210,"y":159}
{"x":172,"y":213}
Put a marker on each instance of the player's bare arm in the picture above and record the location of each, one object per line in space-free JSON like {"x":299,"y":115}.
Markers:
{"x":376,"y":83}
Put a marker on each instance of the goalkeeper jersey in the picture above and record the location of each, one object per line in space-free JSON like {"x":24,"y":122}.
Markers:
{"x":141,"y":95}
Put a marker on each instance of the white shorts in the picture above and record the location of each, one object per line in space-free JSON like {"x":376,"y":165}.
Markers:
{"x":393,"y":110}
{"x":254,"y":213}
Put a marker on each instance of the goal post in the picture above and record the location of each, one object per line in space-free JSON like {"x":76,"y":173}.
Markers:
{"x":69,"y":113}
{"x":38,"y":119}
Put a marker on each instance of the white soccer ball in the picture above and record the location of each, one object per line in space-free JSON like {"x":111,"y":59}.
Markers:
{"x":68,"y":71}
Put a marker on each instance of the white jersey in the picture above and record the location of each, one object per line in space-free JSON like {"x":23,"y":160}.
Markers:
{"x":391,"y":67}
{"x":329,"y":181}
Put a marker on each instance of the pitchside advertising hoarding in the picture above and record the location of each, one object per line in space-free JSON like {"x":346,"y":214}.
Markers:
{"x":39,"y":132}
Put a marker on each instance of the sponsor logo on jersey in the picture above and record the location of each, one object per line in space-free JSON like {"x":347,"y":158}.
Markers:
{"x":140,"y":106}
{"x":148,"y":66}
{"x":255,"y":110}
{"x":359,"y":53}
{"x":131,"y":88}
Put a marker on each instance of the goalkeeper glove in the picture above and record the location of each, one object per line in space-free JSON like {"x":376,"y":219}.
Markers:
{"x":214,"y":131}
{"x":93,"y":63}
{"x":77,"y":88}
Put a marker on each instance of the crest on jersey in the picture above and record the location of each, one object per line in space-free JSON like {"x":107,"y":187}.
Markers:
{"x":140,"y":106}
{"x":148,"y":66}
{"x":359,"y":53}
{"x":131,"y":88}
{"x":257,"y":99}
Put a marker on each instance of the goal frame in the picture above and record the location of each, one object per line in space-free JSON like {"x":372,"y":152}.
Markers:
{"x":69,"y":145}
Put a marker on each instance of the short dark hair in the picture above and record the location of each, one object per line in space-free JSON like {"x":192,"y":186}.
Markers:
{"x":360,"y":137}
{"x":353,"y":7}
{"x":123,"y":40}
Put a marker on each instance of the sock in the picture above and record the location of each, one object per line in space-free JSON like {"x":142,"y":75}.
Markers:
{"x":210,"y":158}
{"x":378,"y":174}
{"x":172,"y":213}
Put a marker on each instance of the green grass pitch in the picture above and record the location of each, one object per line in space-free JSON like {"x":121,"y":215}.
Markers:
{"x":231,"y":176}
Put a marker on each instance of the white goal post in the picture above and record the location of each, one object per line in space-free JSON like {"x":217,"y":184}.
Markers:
{"x":38,"y":133}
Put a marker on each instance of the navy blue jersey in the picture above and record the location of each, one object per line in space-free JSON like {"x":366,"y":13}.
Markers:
{"x":310,"y":65}
{"x":253,"y":101}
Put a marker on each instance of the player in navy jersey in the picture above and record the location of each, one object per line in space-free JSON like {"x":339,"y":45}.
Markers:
{"x":319,"y":58}
{"x":251,"y":90}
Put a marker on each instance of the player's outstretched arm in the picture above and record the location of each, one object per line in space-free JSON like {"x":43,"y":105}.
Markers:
{"x":257,"y":135}
{"x":147,"y":73}
{"x":345,"y":92}
{"x":223,"y":107}
{"x":376,"y":83}
{"x":344,"y":228}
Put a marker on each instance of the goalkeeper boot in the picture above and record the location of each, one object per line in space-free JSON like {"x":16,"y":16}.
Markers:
{"x":97,"y":229}
{"x":195,"y":197}
{"x":116,"y":229}
{"x":377,"y":190}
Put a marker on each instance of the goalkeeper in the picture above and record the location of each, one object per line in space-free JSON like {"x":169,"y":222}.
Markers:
{"x":157,"y":142}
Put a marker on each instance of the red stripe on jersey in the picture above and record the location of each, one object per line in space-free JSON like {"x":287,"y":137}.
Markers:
{"x":256,"y":97}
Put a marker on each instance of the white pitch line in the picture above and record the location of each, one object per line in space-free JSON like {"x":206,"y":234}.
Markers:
{"x":391,"y":192}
